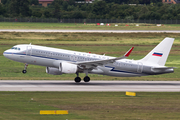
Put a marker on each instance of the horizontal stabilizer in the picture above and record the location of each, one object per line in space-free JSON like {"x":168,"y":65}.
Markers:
{"x":162,"y":68}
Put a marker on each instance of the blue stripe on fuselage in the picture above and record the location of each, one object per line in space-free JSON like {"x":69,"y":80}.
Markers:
{"x":33,"y":56}
{"x":113,"y":69}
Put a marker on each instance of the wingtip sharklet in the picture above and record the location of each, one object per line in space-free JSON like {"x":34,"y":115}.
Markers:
{"x":128,"y":52}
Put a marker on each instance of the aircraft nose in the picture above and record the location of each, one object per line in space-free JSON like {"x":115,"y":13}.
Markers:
{"x":5,"y":53}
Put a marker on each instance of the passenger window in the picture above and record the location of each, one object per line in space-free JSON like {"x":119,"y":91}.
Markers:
{"x":19,"y":49}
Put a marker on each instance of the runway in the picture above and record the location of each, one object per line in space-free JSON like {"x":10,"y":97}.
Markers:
{"x":90,"y":31}
{"x":52,"y":85}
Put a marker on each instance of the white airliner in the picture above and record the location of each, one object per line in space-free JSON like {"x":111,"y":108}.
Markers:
{"x":60,"y":61}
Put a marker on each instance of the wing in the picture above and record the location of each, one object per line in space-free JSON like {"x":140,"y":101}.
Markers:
{"x":94,"y":64}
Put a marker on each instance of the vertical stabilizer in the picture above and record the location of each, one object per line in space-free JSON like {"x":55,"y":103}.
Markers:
{"x":160,"y":53}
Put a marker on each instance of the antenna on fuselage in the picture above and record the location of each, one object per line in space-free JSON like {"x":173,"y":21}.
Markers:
{"x":30,"y":44}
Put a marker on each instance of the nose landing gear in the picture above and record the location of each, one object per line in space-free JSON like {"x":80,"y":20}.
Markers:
{"x":25,"y":67}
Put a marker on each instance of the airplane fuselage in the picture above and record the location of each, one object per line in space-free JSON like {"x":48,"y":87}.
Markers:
{"x":51,"y":57}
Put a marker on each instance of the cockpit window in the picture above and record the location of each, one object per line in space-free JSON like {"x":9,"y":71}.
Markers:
{"x":15,"y":48}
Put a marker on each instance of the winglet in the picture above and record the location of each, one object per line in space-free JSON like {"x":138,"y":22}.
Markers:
{"x":128,"y":52}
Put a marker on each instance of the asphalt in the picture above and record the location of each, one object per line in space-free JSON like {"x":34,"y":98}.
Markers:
{"x":66,"y":85}
{"x":91,"y":31}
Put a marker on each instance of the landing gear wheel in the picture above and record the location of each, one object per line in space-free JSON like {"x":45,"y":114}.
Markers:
{"x":86,"y":79}
{"x":77,"y":79}
{"x":24,"y":71}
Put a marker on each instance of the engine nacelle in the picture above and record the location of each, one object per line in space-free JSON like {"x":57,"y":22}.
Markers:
{"x":68,"y":68}
{"x":53,"y":71}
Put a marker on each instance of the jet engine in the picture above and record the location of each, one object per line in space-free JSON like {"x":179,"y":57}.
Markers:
{"x":53,"y":71}
{"x":64,"y":68}
{"x":67,"y":68}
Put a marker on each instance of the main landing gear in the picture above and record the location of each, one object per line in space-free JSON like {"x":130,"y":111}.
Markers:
{"x":86,"y":79}
{"x":78,"y":79}
{"x":25,"y":67}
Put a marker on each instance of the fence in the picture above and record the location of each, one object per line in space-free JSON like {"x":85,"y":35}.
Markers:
{"x":54,"y":20}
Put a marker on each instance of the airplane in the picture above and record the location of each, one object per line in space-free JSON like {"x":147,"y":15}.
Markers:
{"x":60,"y":61}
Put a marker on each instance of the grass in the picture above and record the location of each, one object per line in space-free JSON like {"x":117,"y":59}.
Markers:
{"x":56,"y":39}
{"x":111,"y":44}
{"x":90,"y":105}
{"x":81,"y":26}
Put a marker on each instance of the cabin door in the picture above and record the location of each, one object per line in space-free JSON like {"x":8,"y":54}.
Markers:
{"x":140,"y":67}
{"x":29,"y":50}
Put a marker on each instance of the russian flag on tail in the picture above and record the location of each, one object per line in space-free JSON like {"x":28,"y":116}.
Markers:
{"x":157,"y":54}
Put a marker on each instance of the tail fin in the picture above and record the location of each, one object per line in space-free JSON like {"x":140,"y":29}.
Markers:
{"x":160,"y":53}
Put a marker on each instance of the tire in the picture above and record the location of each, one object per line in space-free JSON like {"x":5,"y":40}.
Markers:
{"x":24,"y":71}
{"x":77,"y":79}
{"x":86,"y":79}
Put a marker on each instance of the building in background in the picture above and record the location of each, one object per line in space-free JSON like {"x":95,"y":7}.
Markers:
{"x":45,"y":3}
{"x":171,"y":1}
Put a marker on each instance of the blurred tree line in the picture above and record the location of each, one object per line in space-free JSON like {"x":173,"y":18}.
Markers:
{"x":105,"y":9}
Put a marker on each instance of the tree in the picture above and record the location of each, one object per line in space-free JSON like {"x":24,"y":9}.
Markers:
{"x":77,"y":14}
{"x":99,"y":8}
{"x":57,"y":8}
{"x":47,"y":14}
{"x":142,"y":13}
{"x":91,"y":16}
{"x":19,"y":7}
{"x":5,"y":1}
{"x":2,"y":10}
{"x":24,"y":8}
{"x":65,"y":5}
{"x":35,"y":2}
{"x":36,"y":14}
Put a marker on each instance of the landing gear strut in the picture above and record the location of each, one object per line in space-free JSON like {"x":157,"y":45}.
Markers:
{"x":86,"y":79}
{"x":25,"y":67}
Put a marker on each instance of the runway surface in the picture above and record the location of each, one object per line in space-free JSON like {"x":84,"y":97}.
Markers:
{"x":136,"y":86}
{"x":91,"y":31}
